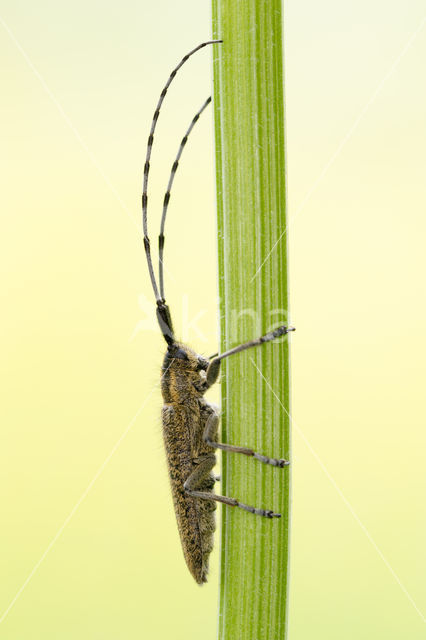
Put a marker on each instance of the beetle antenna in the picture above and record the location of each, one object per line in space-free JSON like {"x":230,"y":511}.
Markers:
{"x":163,"y":313}
{"x":167,"y":194}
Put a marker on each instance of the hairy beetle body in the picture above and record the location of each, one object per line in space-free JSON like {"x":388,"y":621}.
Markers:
{"x":183,"y":417}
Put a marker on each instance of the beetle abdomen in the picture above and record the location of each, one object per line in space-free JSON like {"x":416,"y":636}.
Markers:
{"x":195,"y":518}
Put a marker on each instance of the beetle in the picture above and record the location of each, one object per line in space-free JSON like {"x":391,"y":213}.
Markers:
{"x":190,"y":423}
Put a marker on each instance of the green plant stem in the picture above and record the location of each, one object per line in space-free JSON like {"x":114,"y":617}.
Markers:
{"x":250,"y":167}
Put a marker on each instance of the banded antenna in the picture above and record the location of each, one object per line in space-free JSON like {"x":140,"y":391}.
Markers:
{"x":163,"y":313}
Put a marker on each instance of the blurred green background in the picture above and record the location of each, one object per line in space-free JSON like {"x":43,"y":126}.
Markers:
{"x":88,"y":542}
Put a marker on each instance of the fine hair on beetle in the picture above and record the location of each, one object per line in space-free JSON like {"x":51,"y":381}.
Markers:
{"x":190,"y":423}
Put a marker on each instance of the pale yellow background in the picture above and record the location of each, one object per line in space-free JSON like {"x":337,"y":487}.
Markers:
{"x":88,"y":543}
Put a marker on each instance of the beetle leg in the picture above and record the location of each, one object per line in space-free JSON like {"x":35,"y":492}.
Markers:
{"x":210,"y":430}
{"x":200,"y":473}
{"x":212,"y":373}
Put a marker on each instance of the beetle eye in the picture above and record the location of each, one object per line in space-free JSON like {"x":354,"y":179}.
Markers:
{"x":180,"y":353}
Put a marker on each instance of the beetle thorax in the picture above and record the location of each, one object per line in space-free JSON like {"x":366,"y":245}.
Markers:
{"x":184,"y":374}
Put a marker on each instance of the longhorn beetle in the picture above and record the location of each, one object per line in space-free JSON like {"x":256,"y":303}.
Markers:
{"x":190,"y":423}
